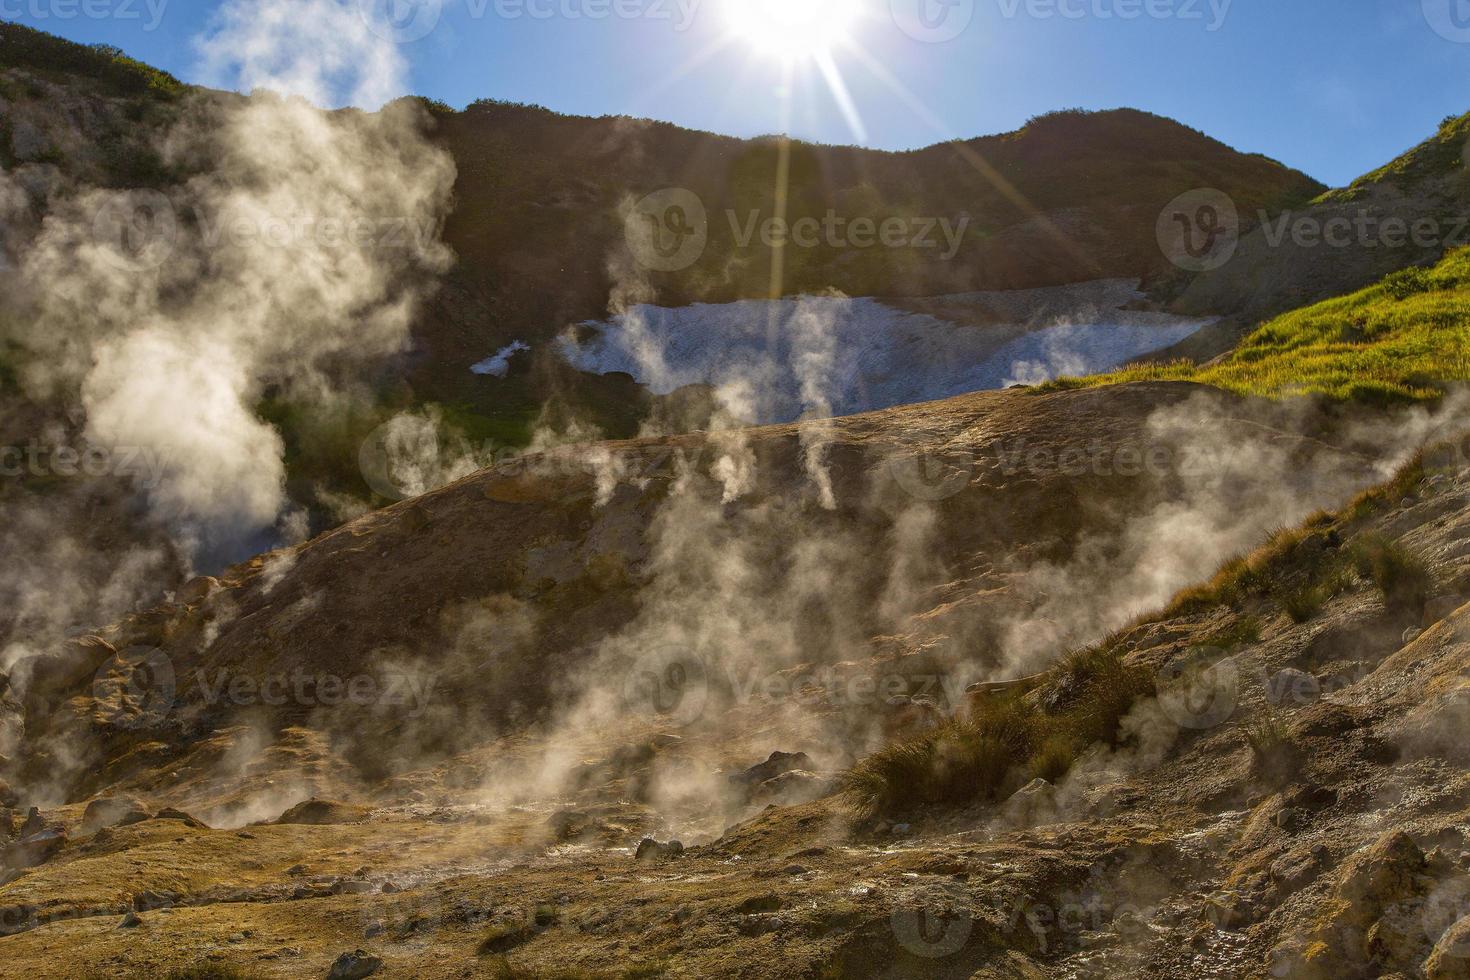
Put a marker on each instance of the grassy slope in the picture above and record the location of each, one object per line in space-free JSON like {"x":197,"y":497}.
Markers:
{"x":1403,"y":339}
{"x":1442,"y":155}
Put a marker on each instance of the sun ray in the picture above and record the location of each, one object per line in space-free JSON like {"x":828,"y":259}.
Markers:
{"x":845,"y":104}
{"x":969,"y":154}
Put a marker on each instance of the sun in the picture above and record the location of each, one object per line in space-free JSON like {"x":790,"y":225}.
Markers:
{"x":792,"y":29}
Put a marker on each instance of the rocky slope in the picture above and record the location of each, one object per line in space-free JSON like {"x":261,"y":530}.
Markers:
{"x":547,"y":632}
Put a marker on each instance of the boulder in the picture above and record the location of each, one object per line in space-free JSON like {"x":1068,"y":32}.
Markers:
{"x":776,"y":764}
{"x":354,"y":966}
{"x":651,"y":850}
{"x":1450,"y":958}
{"x":318,"y":813}
{"x":112,"y":811}
{"x":33,"y":849}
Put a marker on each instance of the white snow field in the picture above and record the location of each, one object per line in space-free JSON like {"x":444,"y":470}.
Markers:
{"x":813,"y":356}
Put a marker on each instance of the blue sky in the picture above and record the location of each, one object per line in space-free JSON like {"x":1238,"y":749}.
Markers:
{"x":1333,"y":87}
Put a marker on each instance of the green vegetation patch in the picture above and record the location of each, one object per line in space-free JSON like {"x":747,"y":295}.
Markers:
{"x":1403,"y":340}
{"x":22,"y":47}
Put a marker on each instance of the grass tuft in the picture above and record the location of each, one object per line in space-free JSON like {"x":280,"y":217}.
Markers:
{"x":1011,"y":739}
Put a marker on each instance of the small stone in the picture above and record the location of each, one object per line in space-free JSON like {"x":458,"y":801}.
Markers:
{"x":1411,"y":634}
{"x":131,"y":921}
{"x":902,"y":829}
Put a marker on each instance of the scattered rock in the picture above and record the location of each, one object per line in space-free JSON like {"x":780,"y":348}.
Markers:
{"x":317,"y":813}
{"x":354,"y":966}
{"x":651,"y":850}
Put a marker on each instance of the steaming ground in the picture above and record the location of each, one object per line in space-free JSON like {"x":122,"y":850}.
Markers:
{"x":759,"y":355}
{"x":533,"y":613}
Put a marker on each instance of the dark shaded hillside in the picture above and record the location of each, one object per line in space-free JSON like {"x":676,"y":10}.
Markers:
{"x":1072,"y":196}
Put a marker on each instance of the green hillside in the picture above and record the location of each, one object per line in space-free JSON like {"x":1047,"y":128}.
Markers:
{"x":1404,"y":339}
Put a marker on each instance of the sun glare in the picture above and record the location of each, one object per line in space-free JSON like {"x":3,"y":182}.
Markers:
{"x":792,"y":28}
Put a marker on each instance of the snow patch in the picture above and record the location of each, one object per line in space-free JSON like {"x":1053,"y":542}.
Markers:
{"x":498,"y":364}
{"x":755,"y":352}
